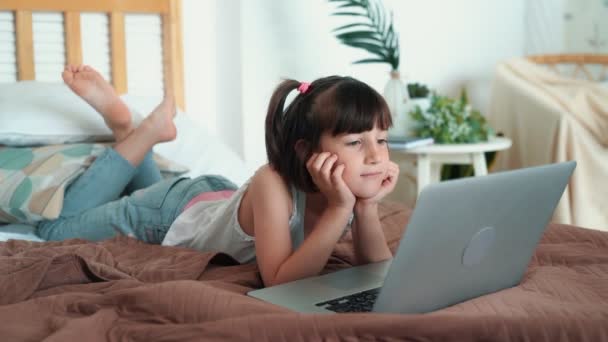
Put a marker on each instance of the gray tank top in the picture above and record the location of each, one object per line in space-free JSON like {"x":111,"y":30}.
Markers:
{"x":214,"y":226}
{"x":296,"y":221}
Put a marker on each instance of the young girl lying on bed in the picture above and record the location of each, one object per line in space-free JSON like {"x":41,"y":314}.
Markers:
{"x":328,"y":169}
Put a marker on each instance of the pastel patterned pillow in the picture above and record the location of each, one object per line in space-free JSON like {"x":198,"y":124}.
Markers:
{"x":33,"y":179}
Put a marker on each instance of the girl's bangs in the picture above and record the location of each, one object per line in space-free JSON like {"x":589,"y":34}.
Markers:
{"x":357,"y":108}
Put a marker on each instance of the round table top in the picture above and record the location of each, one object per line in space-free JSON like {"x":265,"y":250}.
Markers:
{"x":494,"y":144}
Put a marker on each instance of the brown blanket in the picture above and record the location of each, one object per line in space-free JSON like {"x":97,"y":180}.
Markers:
{"x":125,"y":290}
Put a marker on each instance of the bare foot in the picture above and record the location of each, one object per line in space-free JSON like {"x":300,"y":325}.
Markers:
{"x":156,"y":127}
{"x":87,"y":83}
{"x":160,"y":121}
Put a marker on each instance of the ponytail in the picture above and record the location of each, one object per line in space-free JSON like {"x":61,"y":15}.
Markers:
{"x":275,"y":135}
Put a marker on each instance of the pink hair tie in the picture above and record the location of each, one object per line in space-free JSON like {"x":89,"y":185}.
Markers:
{"x":303,"y":88}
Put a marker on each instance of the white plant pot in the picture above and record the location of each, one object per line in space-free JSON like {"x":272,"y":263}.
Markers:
{"x":396,"y":96}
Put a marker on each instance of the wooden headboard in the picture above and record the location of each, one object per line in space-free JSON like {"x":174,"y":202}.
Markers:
{"x":168,"y":10}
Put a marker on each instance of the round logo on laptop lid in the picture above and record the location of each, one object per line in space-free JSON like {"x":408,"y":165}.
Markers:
{"x":479,"y":246}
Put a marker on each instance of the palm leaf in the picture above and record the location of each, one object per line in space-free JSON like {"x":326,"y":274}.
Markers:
{"x":350,"y":14}
{"x":366,"y":25}
{"x":349,"y":5}
{"x":373,"y":32}
{"x":370,"y":60}
{"x":358,"y":35}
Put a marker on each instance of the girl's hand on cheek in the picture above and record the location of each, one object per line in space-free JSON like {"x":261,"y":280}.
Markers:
{"x":327,"y":175}
{"x":388,"y":185}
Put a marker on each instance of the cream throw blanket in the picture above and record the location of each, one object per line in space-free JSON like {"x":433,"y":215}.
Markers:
{"x":552,"y":118}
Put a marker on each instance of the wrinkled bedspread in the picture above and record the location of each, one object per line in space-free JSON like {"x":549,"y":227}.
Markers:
{"x":125,"y":290}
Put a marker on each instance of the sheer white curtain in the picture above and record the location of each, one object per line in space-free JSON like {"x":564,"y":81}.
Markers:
{"x":566,"y":26}
{"x":586,"y":26}
{"x":544,"y":22}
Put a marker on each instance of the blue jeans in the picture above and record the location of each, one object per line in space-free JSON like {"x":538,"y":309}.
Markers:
{"x":93,"y":208}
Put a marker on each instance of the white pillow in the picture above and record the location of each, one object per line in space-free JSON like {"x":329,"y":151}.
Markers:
{"x":195,"y":147}
{"x":37,"y":113}
{"x":45,"y":113}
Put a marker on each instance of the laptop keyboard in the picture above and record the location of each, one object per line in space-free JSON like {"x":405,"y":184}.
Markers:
{"x":358,"y":302}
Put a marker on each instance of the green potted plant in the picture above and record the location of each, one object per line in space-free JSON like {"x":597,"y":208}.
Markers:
{"x":373,"y":31}
{"x":452,"y":121}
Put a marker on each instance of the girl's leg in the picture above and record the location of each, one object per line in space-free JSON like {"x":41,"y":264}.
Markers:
{"x":87,"y":83}
{"x":155,"y":128}
{"x":110,"y":174}
{"x":103,"y":182}
{"x":146,"y":174}
{"x":140,"y":215}
{"x":146,"y":214}
{"x":106,"y":179}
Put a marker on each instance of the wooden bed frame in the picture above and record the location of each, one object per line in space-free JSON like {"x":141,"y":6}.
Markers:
{"x":169,"y":10}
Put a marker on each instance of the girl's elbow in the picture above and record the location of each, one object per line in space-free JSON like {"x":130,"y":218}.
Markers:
{"x":268,"y":282}
{"x":272,"y":282}
{"x":371,"y":260}
{"x":271,"y":279}
{"x":277,"y":279}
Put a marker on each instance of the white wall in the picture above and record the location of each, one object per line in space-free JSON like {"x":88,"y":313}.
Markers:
{"x":544,"y":21}
{"x":446,"y":44}
{"x":200,"y":63}
{"x":586,"y":26}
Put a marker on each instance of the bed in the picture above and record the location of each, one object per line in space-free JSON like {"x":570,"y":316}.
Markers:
{"x":122,"y":289}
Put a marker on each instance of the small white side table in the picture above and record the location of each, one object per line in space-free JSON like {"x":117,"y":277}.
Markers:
{"x":431,"y":157}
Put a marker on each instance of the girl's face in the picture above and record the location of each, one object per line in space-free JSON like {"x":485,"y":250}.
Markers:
{"x":365,"y":157}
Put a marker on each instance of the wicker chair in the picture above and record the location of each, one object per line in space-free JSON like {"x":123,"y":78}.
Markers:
{"x":593,"y":67}
{"x":544,"y":129}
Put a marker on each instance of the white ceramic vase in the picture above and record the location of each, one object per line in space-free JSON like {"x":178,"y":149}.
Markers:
{"x":396,"y":96}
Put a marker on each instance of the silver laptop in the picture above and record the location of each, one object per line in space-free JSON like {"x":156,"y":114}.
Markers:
{"x":465,"y":238}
